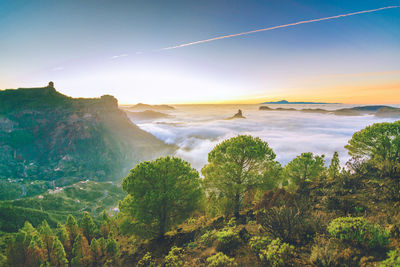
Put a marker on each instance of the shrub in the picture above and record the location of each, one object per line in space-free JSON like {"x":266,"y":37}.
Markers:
{"x":232,"y":222}
{"x":344,"y":205}
{"x":277,"y":198}
{"x":334,"y":252}
{"x":290,"y":224}
{"x":325,"y":253}
{"x":393,"y":259}
{"x":228,"y":240}
{"x":192,"y":245}
{"x":359,"y":231}
{"x":257,"y":243}
{"x":146,"y":261}
{"x":220,"y":260}
{"x":174,"y":257}
{"x":277,"y":253}
{"x":207,"y":239}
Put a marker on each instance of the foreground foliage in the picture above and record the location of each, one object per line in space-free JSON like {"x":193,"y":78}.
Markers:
{"x":161,"y":194}
{"x":359,"y":231}
{"x":320,"y":217}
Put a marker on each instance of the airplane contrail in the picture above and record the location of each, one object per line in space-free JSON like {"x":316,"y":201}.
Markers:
{"x":276,"y":27}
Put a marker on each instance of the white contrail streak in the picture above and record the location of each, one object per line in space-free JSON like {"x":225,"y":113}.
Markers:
{"x":276,"y":27}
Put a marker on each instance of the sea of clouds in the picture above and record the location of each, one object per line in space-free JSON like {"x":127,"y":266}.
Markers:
{"x":196,"y":129}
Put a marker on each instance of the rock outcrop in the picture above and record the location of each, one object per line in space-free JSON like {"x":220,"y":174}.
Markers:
{"x":238,"y":115}
{"x":46,"y":135}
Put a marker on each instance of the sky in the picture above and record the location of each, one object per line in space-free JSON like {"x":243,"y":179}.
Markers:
{"x":95,"y":47}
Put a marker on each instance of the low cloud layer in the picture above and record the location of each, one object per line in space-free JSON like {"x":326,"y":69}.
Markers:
{"x":197,"y":129}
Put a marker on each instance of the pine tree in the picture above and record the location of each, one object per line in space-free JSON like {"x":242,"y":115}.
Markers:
{"x":89,"y":228}
{"x":63,"y":237}
{"x":16,"y":250}
{"x":47,"y":236}
{"x":105,"y":227}
{"x":58,"y":256}
{"x":36,"y":252}
{"x":96,"y":252}
{"x":72,"y":227}
{"x":334,"y":167}
{"x":81,"y":252}
{"x":26,"y":248}
{"x":112,"y":250}
{"x":102,"y":244}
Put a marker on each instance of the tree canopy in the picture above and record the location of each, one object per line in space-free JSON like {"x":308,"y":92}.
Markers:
{"x":161,"y":194}
{"x":235,"y":166}
{"x":334,"y":167}
{"x":380,"y":145}
{"x":306,"y":167}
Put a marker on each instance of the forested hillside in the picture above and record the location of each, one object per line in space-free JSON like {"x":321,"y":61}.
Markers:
{"x":247,"y":210}
{"x":47,"y":136}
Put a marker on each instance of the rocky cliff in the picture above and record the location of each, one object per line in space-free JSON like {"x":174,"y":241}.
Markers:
{"x":45,"y":135}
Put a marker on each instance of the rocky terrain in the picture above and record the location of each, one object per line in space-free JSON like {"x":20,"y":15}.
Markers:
{"x":238,"y":115}
{"x":45,"y":135}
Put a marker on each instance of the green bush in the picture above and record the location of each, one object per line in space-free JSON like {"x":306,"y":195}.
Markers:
{"x":359,"y":231}
{"x":393,"y":259}
{"x":232,"y":222}
{"x":276,"y":254}
{"x":257,"y":243}
{"x":220,"y":260}
{"x":207,"y":239}
{"x":228,"y":240}
{"x":174,"y":257}
{"x":147,"y":261}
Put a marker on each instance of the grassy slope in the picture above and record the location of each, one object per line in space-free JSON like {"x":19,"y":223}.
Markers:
{"x":92,"y":197}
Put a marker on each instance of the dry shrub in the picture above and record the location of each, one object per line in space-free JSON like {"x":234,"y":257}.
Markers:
{"x":293,"y":224}
{"x":277,"y":198}
{"x":332,"y":252}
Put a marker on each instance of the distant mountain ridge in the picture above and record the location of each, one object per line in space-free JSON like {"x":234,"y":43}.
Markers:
{"x":377,"y":110}
{"x":45,"y":135}
{"x":146,"y":115}
{"x":299,"y":103}
{"x":141,"y":106}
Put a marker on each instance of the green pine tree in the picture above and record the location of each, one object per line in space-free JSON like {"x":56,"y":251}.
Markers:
{"x":88,"y":227}
{"x":334,"y":167}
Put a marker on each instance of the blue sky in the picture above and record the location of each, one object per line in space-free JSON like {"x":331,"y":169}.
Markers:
{"x":94,"y":47}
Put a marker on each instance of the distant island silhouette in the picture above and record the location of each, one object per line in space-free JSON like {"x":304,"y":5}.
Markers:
{"x":143,"y":107}
{"x":288,"y":102}
{"x":376,"y":110}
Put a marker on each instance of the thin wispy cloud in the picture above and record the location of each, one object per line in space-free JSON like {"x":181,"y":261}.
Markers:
{"x":119,"y":56}
{"x":276,"y":27}
{"x":58,"y":68}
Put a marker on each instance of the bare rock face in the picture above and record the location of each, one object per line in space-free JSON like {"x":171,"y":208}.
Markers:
{"x":238,"y":115}
{"x":109,"y":101}
{"x":46,"y":135}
